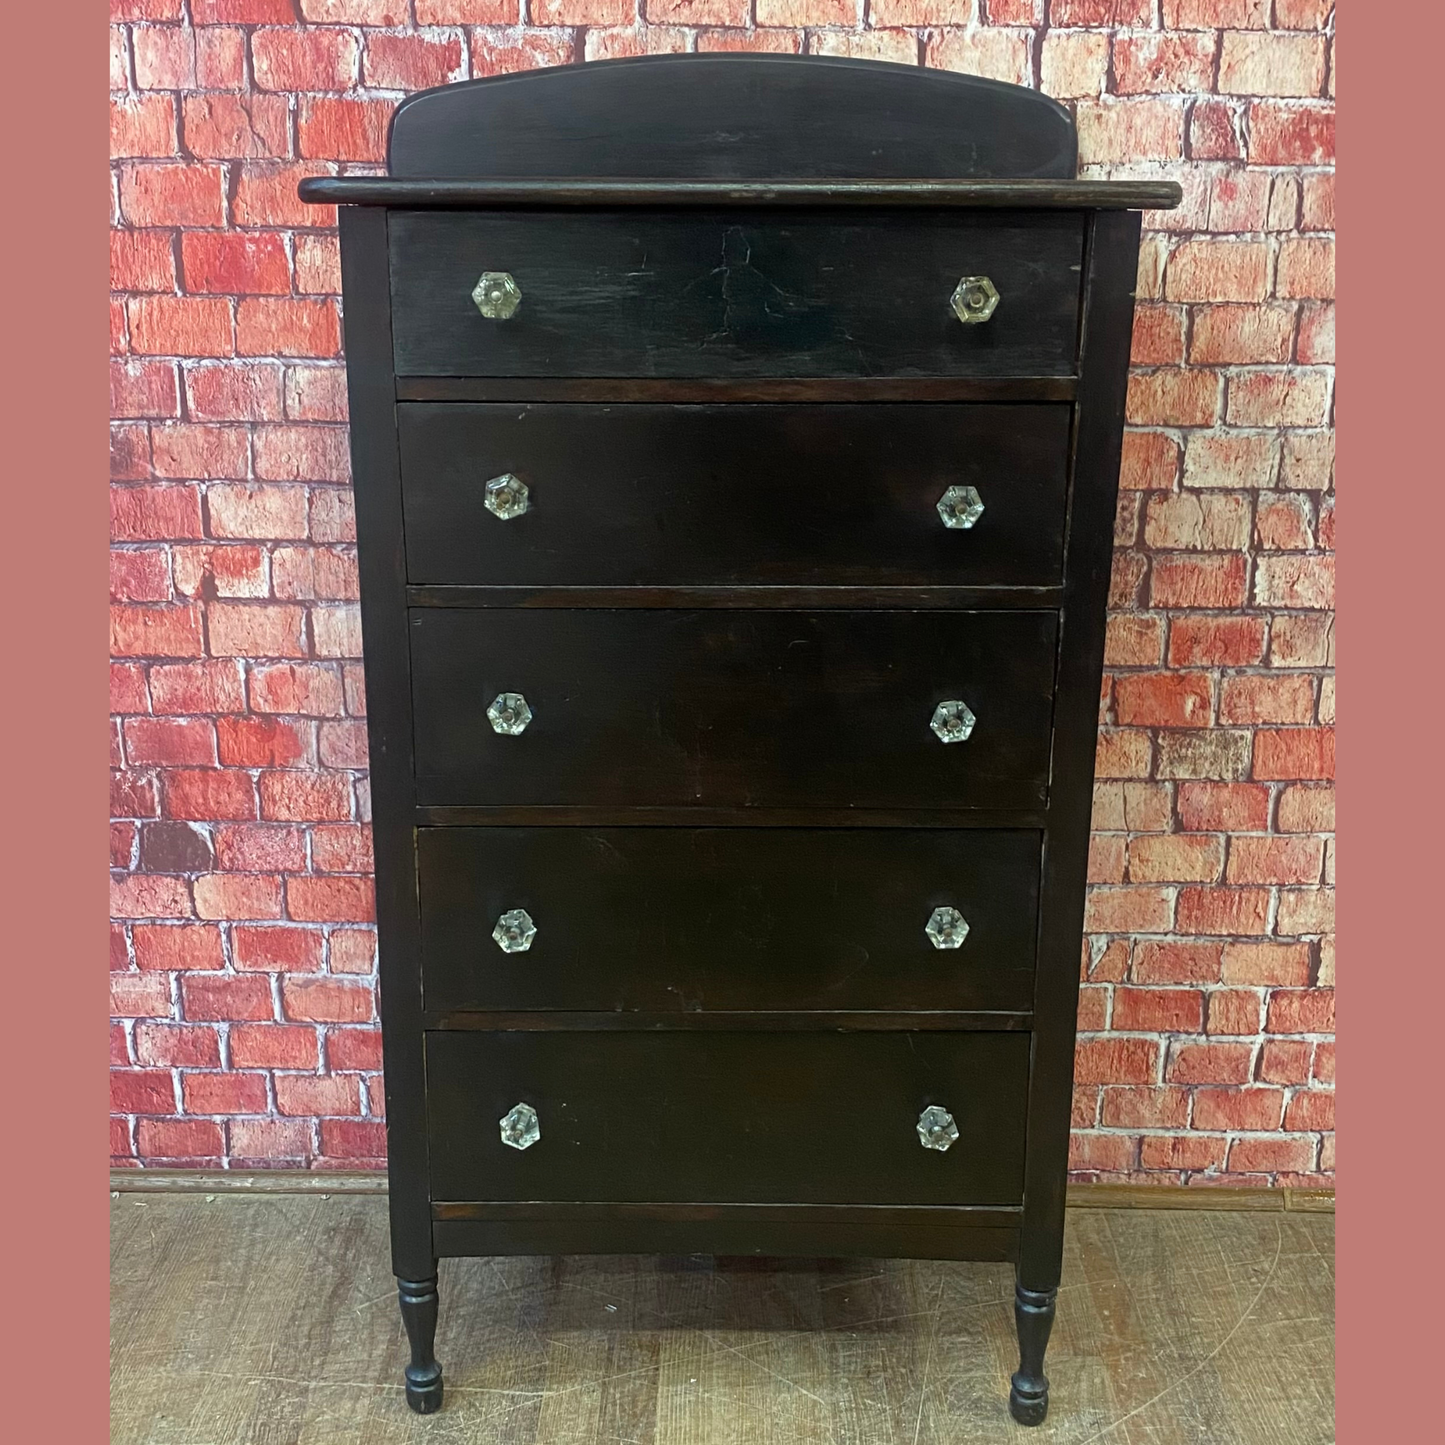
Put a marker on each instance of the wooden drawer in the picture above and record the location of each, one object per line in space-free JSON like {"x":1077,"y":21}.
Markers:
{"x":720,"y":1117}
{"x":703,"y":919}
{"x":737,"y":294}
{"x":643,"y":495}
{"x":661,"y":707}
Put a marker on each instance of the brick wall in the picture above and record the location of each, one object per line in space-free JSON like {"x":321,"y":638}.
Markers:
{"x":242,"y":951}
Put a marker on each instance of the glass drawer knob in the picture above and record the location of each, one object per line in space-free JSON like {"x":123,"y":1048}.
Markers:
{"x":515,"y":931}
{"x":497,"y":295}
{"x":520,"y":1129}
{"x":936,"y":1129}
{"x":960,"y":507}
{"x":507,"y":497}
{"x":946,"y":928}
{"x":509,"y":714}
{"x":974,"y":299}
{"x":952,"y":721}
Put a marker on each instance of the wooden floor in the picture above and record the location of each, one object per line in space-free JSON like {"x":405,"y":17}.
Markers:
{"x":273,"y":1319}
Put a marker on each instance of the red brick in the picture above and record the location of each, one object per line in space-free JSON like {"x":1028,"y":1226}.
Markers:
{"x":266,"y":196}
{"x":273,"y":1046}
{"x":1301,"y":1011}
{"x":1122,"y":754}
{"x":1267,"y":964}
{"x":314,"y":572}
{"x":303,"y":453}
{"x":1181,"y":1152}
{"x":235,"y":263}
{"x":171,"y":740}
{"x":184,"y":450}
{"x":1212,"y":14}
{"x":1133,"y":640}
{"x":1282,"y":134}
{"x":1175,"y":858}
{"x":1216,"y":641}
{"x":777,"y":41}
{"x":223,"y":127}
{"x":343,"y":745}
{"x":1173,"y":397}
{"x":1085,"y":12}
{"x":333,"y":515}
{"x":1306,"y":911}
{"x":293,"y":59}
{"x":268,"y":326}
{"x":315,"y":393}
{"x":1284,"y":1061}
{"x":317,"y":1094}
{"x":144,"y":389}
{"x":1084,"y":1110}
{"x":143,"y":125}
{"x":1281,"y":698}
{"x":278,"y":949}
{"x":255,"y":629}
{"x":163,"y":513}
{"x":260,"y":848}
{"x":1116,"y":1061}
{"x":189,"y":1139}
{"x":263,"y":742}
{"x":224,"y":1093}
{"x":164,"y":55}
{"x":1307,"y":461}
{"x":271,"y":1140}
{"x":142,"y":1091}
{"x":1290,"y":581}
{"x":336,"y":631}
{"x":505,"y":51}
{"x":1209,"y":1063}
{"x":206,"y":794}
{"x":196,"y":687}
{"x":179,"y":325}
{"x":1158,"y":1010}
{"x":1282,"y":521}
{"x":133,"y":795}
{"x":1240,"y":201}
{"x":211,"y":997}
{"x":122,"y":844}
{"x":1231,"y":460}
{"x":1223,"y":807}
{"x":1130,"y":131}
{"x":342,"y":848}
{"x":1306,"y":268}
{"x":1106,"y":858}
{"x":119,"y":1046}
{"x":1215,"y":131}
{"x":238,"y":895}
{"x":140,"y":575}
{"x":243,"y":12}
{"x":352,"y":950}
{"x":139,"y":996}
{"x":1254,"y":1107}
{"x":1324,"y":1060}
{"x":142,"y":261}
{"x":1306,"y":808}
{"x":335,"y":899}
{"x":305,"y":797}
{"x":1317,"y":202}
{"x":1241,"y":334}
{"x":1233,"y":1011}
{"x":1285,"y":753}
{"x":1271,"y":1156}
{"x":162,"y":194}
{"x":177,"y":946}
{"x":1164,"y":699}
{"x":1129,"y":910}
{"x":128,"y":688}
{"x":253,"y":509}
{"x":1310,"y":1109}
{"x":353,"y":1048}
{"x":1145,"y":1108}
{"x":1158,"y":335}
{"x":1224,"y":911}
{"x":155,"y":631}
{"x":353,"y":1138}
{"x":1102,"y":1153}
{"x":1150,"y":64}
{"x":1207,"y":522}
{"x":1271,"y":64}
{"x":343,"y":128}
{"x":412,"y":62}
{"x":221,"y":58}
{"x":1218,"y":271}
{"x":1316,"y":342}
{"x":1206,"y":580}
{"x":1150,"y":461}
{"x":214,"y":572}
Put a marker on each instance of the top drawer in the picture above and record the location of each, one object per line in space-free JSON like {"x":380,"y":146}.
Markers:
{"x":734,"y":295}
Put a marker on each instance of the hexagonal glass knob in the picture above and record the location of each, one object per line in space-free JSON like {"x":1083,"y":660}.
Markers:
{"x":520,"y":1129}
{"x":507,"y":497}
{"x":936,"y":1129}
{"x":515,"y":931}
{"x":509,"y":714}
{"x":946,"y":928}
{"x":960,"y":507}
{"x":953,"y":721}
{"x":497,"y":295}
{"x":974,"y":299}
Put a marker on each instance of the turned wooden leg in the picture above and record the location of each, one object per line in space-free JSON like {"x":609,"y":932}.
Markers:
{"x":1028,"y":1399}
{"x":418,"y":1299}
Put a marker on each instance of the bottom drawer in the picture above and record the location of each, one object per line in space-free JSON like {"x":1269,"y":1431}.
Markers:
{"x":703,"y":1116}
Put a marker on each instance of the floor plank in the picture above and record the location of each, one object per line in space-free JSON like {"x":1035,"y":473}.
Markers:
{"x":271,"y":1320}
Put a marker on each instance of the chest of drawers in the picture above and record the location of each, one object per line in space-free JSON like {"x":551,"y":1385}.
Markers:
{"x":735,"y":445}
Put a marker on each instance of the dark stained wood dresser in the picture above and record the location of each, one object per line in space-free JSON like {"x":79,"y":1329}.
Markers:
{"x":735,"y":443}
